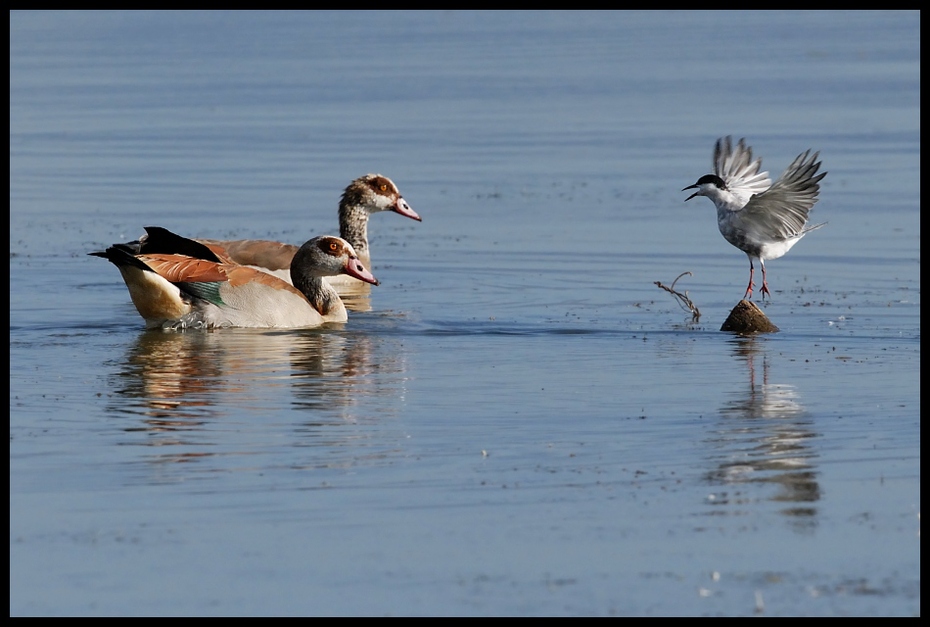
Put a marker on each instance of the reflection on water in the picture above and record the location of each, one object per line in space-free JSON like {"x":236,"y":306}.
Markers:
{"x":170,"y":378}
{"x":188,"y":389}
{"x":356,"y":296}
{"x":765,"y":438}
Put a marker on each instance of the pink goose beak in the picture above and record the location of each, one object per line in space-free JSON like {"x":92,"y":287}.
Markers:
{"x":355,"y":269}
{"x":404,"y":209}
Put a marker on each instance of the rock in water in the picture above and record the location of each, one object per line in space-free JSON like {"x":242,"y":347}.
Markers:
{"x":747,"y":318}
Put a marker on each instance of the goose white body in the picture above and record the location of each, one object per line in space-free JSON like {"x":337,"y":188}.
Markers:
{"x":181,"y":284}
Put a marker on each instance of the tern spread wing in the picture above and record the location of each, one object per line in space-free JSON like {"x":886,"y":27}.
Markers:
{"x":782,"y":211}
{"x":738,"y":170}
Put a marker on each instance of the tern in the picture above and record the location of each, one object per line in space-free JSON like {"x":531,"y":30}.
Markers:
{"x":762,"y":219}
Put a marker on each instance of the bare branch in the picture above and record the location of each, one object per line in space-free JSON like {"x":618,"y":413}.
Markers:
{"x":683,"y":301}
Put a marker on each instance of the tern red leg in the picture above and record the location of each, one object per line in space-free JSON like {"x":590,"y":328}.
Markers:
{"x":748,"y":293}
{"x":765,"y":285}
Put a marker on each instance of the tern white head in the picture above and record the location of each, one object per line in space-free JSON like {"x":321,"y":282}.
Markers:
{"x":762,"y":219}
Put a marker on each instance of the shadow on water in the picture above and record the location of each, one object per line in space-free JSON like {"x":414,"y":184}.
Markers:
{"x":765,"y":438}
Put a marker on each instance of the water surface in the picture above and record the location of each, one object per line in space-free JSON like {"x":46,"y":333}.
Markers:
{"x":522,"y":423}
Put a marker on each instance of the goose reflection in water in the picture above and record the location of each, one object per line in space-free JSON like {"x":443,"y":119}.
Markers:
{"x":765,"y":437}
{"x":189,"y":388}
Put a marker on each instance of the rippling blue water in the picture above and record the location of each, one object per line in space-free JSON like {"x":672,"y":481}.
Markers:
{"x":522,"y":423}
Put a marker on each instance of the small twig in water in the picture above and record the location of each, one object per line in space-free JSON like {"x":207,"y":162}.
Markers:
{"x":683,"y":301}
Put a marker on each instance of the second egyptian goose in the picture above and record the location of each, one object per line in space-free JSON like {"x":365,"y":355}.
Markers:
{"x":364,"y":196}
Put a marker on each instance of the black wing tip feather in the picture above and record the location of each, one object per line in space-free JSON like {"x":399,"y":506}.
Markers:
{"x":159,"y":240}
{"x":724,"y":147}
{"x":806,"y":166}
{"x":727,"y":142}
{"x":133,"y":248}
{"x":122,"y":255}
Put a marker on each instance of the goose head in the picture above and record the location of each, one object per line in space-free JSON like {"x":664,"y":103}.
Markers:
{"x":374,"y":193}
{"x":328,"y":255}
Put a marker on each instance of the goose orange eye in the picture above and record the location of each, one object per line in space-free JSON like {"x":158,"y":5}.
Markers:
{"x":383,"y":187}
{"x":333,"y":246}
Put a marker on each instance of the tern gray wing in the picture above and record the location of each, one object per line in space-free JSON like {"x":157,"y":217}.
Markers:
{"x":781,"y":211}
{"x":738,"y":169}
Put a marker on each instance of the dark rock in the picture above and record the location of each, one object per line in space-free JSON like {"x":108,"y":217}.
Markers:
{"x":747,"y":318}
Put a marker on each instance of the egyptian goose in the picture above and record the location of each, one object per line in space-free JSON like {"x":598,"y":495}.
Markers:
{"x":180,"y":283}
{"x":364,"y":196}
